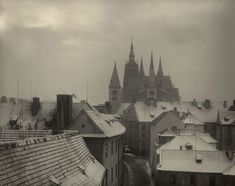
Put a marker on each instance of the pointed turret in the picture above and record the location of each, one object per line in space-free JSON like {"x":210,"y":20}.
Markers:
{"x":160,"y":71}
{"x":151,"y":73}
{"x":114,"y":82}
{"x":141,"y":71}
{"x":115,"y":91}
{"x":132,"y":54}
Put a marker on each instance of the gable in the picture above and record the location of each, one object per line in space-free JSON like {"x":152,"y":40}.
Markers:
{"x":84,"y":124}
{"x":169,"y":120}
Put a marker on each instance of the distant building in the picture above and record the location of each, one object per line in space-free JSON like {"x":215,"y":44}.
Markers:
{"x":137,"y":86}
{"x":225,"y":130}
{"x":44,"y":159}
{"x":143,"y":122}
{"x":104,"y":136}
{"x":192,"y":160}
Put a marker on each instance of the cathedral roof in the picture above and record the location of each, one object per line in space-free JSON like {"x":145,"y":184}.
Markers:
{"x":114,"y":82}
{"x":141,"y":71}
{"x":160,"y":71}
{"x":151,"y":82}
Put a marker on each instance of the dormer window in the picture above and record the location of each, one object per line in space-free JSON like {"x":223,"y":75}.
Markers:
{"x":226,"y":118}
{"x":198,"y":158}
{"x":114,"y":92}
{"x":188,"y":146}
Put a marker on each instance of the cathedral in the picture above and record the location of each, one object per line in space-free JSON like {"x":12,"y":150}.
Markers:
{"x":138,"y":87}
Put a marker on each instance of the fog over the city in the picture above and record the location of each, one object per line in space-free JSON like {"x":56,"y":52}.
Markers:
{"x":66,"y":46}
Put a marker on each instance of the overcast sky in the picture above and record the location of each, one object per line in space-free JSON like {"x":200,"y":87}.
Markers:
{"x":63,"y":45}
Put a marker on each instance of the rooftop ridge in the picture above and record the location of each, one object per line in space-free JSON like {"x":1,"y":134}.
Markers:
{"x":35,"y":140}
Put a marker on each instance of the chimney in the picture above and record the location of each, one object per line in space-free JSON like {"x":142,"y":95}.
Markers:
{"x":225,"y":104}
{"x":64,"y":111}
{"x":35,"y":106}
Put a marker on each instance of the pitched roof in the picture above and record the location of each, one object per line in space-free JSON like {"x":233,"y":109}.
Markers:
{"x":62,"y":159}
{"x":197,"y":142}
{"x":107,"y":123}
{"x":192,"y":119}
{"x":184,"y":160}
{"x":114,"y":82}
{"x":141,"y":71}
{"x":205,"y":115}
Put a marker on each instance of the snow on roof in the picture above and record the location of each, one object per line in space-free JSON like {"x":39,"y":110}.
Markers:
{"x":62,"y":159}
{"x":192,"y":119}
{"x":185,"y":161}
{"x":145,"y":112}
{"x":22,"y":112}
{"x":107,"y":123}
{"x":197,"y":142}
{"x":167,"y":132}
{"x":226,"y":117}
{"x":230,"y":171}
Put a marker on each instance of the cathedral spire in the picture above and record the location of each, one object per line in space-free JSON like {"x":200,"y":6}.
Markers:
{"x":160,"y":71}
{"x":114,"y":82}
{"x":132,"y":54}
{"x":141,"y":71}
{"x":151,"y":73}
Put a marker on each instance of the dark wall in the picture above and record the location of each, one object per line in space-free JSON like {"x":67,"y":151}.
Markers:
{"x":64,"y":110}
{"x":167,"y":178}
{"x":96,"y":147}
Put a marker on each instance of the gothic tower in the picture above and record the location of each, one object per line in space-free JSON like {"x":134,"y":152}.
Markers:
{"x":151,"y":86}
{"x":115,"y":90}
{"x":130,"y":78}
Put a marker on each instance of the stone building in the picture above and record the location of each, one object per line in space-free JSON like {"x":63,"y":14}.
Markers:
{"x":103,"y":135}
{"x":143,"y":122}
{"x":137,"y":86}
{"x":192,"y":160}
{"x":225,"y":130}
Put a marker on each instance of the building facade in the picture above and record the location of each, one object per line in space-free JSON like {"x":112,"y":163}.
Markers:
{"x":192,"y":160}
{"x":104,"y":137}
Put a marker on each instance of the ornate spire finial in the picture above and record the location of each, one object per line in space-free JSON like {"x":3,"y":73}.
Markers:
{"x":132,"y":54}
{"x":160,"y":71}
{"x":141,"y":72}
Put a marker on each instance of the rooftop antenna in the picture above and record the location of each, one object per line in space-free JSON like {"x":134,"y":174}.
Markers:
{"x":86,"y":91}
{"x":31,"y":83}
{"x":18,"y":82}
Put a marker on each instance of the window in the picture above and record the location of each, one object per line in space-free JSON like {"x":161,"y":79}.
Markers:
{"x":106,"y":150}
{"x":114,"y":98}
{"x":172,"y":179}
{"x":192,"y":180}
{"x":106,"y":178}
{"x":151,"y":92}
{"x":83,"y":126}
{"x":116,"y":170}
{"x":112,"y":147}
{"x":114,"y":92}
{"x":143,"y":134}
{"x":116,"y":145}
{"x":212,"y":181}
{"x":112,"y":175}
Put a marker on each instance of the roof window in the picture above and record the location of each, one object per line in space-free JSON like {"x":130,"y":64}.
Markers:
{"x":198,"y":158}
{"x":188,"y":146}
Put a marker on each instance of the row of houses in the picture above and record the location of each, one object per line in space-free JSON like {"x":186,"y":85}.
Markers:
{"x":146,"y":122}
{"x":101,"y":135}
{"x":189,"y":158}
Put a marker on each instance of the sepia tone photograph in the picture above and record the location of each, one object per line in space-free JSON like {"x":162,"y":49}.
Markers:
{"x":117,"y":93}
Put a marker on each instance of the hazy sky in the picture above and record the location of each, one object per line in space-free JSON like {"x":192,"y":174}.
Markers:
{"x":63,"y":45}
